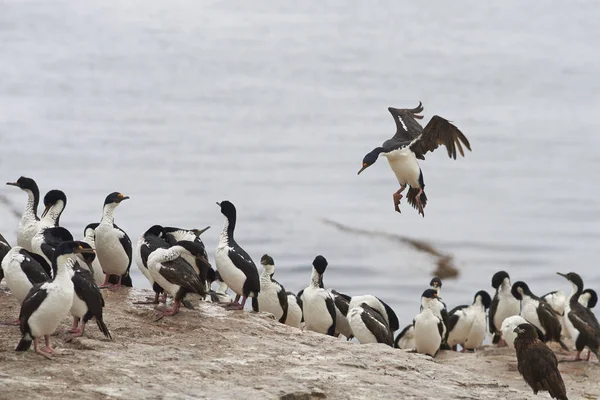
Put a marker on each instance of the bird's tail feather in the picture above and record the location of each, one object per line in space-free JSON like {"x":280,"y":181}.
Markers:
{"x":25,"y":343}
{"x":411,"y":198}
{"x":103,"y":328}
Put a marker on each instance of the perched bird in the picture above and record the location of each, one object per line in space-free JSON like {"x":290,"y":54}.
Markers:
{"x":150,"y":240}
{"x":318,"y":307}
{"x":440,"y":310}
{"x":379,"y":305}
{"x":508,"y":329}
{"x":558,"y":300}
{"x":412,"y":142}
{"x":294,"y":315}
{"x":113,"y":246}
{"x":436,"y":284}
{"x":504,"y":305}
{"x":28,"y":225}
{"x":49,"y":302}
{"x":272,"y":297}
{"x":537,"y":363}
{"x":174,"y":274}
{"x":467,"y":323}
{"x":588,"y":298}
{"x":234,"y":265}
{"x":22,"y":270}
{"x":369,"y":326}
{"x":538,"y":313}
{"x":406,"y":338}
{"x":581,"y":322}
{"x":89,"y":237}
{"x":87,"y":300}
{"x":429,"y":328}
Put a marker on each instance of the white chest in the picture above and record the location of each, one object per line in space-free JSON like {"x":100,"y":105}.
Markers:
{"x":359,"y":329}
{"x":53,"y":309}
{"x":529,"y":312}
{"x":28,"y":227}
{"x":294,"y":315}
{"x":427,"y":334}
{"x":268,"y":300}
{"x":16,"y":279}
{"x":231,"y":275}
{"x":507,"y":307}
{"x":109,"y":250}
{"x":404,"y":165}
{"x":316,"y":314}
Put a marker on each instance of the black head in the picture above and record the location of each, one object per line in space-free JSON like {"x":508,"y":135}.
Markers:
{"x":574,"y":278}
{"x":486,"y":300}
{"x":267,"y":260}
{"x":370,"y":158}
{"x":498,"y":278}
{"x":53,"y":197}
{"x":526,"y":331}
{"x":436,"y":283}
{"x":91,"y":226}
{"x":518,"y":289}
{"x":72,"y":247}
{"x":320,"y":263}
{"x":25,"y":183}
{"x":593,"y":297}
{"x":156,"y":230}
{"x":227,"y":208}
{"x":430,"y":294}
{"x":88,"y":256}
{"x":115,"y":197}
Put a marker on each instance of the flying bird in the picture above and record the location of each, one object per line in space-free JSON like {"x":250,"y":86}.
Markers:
{"x":412,"y":142}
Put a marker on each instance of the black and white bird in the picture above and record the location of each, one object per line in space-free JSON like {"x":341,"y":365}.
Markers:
{"x":87,"y":300}
{"x":581,"y":322}
{"x":504,"y":305}
{"x":588,"y":298}
{"x":537,"y":363}
{"x":174,"y":235}
{"x":169,"y":269}
{"x":234,"y":265}
{"x":49,"y":302}
{"x":152,"y":239}
{"x":89,"y":237}
{"x":539,"y":314}
{"x":28,"y":225}
{"x":508,"y":329}
{"x":369,"y":326}
{"x":272,"y":297}
{"x":405,"y":340}
{"x":342,"y":305}
{"x":412,"y":142}
{"x":4,"y":249}
{"x":317,"y":303}
{"x":436,"y":284}
{"x":113,"y":246}
{"x":467,"y":324}
{"x":294,"y":315}
{"x":429,"y":328}
{"x":440,"y":309}
{"x":380,"y":306}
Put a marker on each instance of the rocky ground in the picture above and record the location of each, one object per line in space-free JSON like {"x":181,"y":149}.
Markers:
{"x":211,"y":353}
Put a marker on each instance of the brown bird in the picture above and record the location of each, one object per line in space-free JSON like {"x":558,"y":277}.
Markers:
{"x":537,"y":363}
{"x":412,"y":142}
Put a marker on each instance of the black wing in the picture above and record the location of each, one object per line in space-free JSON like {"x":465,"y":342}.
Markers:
{"x":179,"y":272}
{"x":549,"y":321}
{"x":33,"y":269}
{"x":446,"y":322}
{"x":539,"y":367}
{"x":4,"y":249}
{"x":341,"y":301}
{"x":331,"y":309}
{"x":455,"y":309}
{"x":32,"y":302}
{"x":243,"y":262}
{"x":377,"y":325}
{"x":126,"y":243}
{"x":87,"y":290}
{"x":492,"y":314}
{"x":439,"y":131}
{"x":454,"y":317}
{"x":402,"y":333}
{"x":394,"y":324}
{"x":584,"y":320}
{"x":407,"y":128}
{"x":283,"y":302}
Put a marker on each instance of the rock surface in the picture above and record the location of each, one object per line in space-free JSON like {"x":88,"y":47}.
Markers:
{"x":211,"y":353}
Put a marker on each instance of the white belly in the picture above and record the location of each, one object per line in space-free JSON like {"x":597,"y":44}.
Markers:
{"x":294,"y":315}
{"x":140,"y":263}
{"x":231,"y":275}
{"x":27,"y":230}
{"x":110,"y":252}
{"x":79,"y":308}
{"x":573,"y":333}
{"x":404,"y":164}
{"x":460,"y":332}
{"x":407,"y":341}
{"x":342,"y":325}
{"x":268,"y":300}
{"x":530,"y":314}
{"x":508,"y":326}
{"x":16,"y":279}
{"x":477,"y":332}
{"x":53,"y":309}
{"x":154,"y":268}
{"x":427,"y":334}
{"x":316,"y":314}
{"x":507,"y":307}
{"x":359,"y":329}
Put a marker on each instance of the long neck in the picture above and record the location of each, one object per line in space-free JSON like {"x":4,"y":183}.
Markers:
{"x":52,"y":217}
{"x":63,"y":265}
{"x":108,"y":214}
{"x":506,"y":286}
{"x":90,"y":237}
{"x":33,"y":201}
{"x":268,"y":270}
{"x":226,"y":236}
{"x":315,"y":279}
{"x":575,"y":293}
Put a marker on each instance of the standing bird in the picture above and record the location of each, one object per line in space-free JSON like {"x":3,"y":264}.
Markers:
{"x":504,"y":305}
{"x":87,"y":300}
{"x":89,"y":237}
{"x":508,"y":329}
{"x":152,"y":239}
{"x":294,"y":315}
{"x":28,"y":225}
{"x":113,"y":246}
{"x":440,"y":310}
{"x":369,"y":326}
{"x":406,"y":338}
{"x":537,"y":363}
{"x":318,"y":307}
{"x":429,"y":328}
{"x":234,"y":265}
{"x":49,"y":302}
{"x":539,"y":314}
{"x":412,"y":142}
{"x":467,"y":324}
{"x":272,"y":297}
{"x":174,"y":274}
{"x":581,"y":322}
{"x":588,"y":298}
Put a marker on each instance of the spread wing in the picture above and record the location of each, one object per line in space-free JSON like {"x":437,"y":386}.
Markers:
{"x":407,"y":128}
{"x":440,"y":131}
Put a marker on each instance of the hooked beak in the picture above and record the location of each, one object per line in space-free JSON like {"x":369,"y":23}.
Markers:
{"x":123,"y":198}
{"x":12,"y":184}
{"x":561,"y":274}
{"x":219,"y":203}
{"x":365,"y":166}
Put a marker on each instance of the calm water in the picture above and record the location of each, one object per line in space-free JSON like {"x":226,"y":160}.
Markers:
{"x":272,"y":106}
